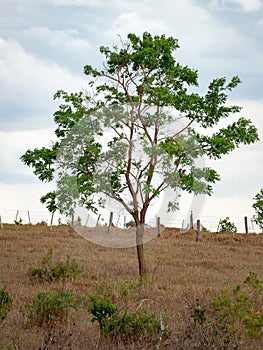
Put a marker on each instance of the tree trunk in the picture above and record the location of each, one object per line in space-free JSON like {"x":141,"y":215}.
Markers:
{"x":140,"y":252}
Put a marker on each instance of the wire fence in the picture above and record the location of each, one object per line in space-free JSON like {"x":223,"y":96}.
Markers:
{"x":210,"y":223}
{"x":31,"y":217}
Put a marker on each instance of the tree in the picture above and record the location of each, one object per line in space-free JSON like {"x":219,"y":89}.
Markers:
{"x":131,"y":104}
{"x":258,"y":206}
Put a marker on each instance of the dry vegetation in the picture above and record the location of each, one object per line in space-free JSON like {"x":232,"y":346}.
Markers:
{"x":181,"y":271}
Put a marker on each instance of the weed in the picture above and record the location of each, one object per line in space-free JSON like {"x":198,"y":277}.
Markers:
{"x":50,"y":307}
{"x":5,"y":303}
{"x":233,"y":315}
{"x":60,"y":270}
{"x":128,"y":288}
{"x":122,"y":324}
{"x":19,"y":222}
{"x":8,"y":347}
{"x":198,"y":314}
{"x":102,"y":309}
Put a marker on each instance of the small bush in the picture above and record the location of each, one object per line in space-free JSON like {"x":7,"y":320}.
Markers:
{"x":122,"y":324}
{"x":227,"y":225}
{"x":50,"y":307}
{"x":59,"y":270}
{"x":5,"y":303}
{"x":258,"y":206}
{"x":103,"y":310}
{"x":19,"y":222}
{"x":232,"y":318}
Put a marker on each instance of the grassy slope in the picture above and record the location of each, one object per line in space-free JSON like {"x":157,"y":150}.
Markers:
{"x":180,"y":271}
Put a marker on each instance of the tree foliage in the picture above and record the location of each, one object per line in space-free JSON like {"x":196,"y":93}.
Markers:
{"x":139,"y":130}
{"x":258,"y":206}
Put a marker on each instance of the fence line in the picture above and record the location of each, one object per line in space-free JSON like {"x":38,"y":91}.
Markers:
{"x":30,"y":217}
{"x":211,"y":223}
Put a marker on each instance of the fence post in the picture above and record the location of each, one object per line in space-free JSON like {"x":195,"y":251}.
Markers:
{"x":117,"y":223}
{"x":191,"y":221}
{"x":110,"y":221}
{"x":158,"y":226}
{"x":1,"y":224}
{"x":17,"y":212}
{"x":98,"y":220}
{"x":252,"y":224}
{"x":124,"y":222}
{"x":28,"y":214}
{"x":246,"y":225}
{"x":87,"y":220}
{"x":198,"y":231}
{"x":218,"y":226}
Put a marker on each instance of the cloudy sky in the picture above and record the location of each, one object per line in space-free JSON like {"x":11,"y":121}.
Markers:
{"x":44,"y":45}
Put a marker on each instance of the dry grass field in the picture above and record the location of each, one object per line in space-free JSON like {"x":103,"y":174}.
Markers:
{"x":181,"y":271}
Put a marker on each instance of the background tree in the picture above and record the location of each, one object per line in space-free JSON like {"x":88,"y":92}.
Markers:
{"x":145,"y":106}
{"x":258,"y":206}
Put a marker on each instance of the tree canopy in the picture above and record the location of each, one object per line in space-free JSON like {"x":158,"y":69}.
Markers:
{"x":138,"y":131}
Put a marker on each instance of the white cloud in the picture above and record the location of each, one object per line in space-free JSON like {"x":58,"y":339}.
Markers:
{"x":249,"y":5}
{"x":16,"y":143}
{"x":206,"y":46}
{"x":23,"y":198}
{"x":29,"y":82}
{"x":59,"y":39}
{"x":243,"y":5}
{"x":132,"y":22}
{"x":96,"y":3}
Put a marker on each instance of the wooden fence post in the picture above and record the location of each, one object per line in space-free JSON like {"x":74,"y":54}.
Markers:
{"x":28,"y":214}
{"x":252,"y":224}
{"x":87,"y":220}
{"x":110,"y":221}
{"x":124,"y":222}
{"x":1,"y":224}
{"x":198,"y":231}
{"x":98,"y":220}
{"x":191,"y":221}
{"x":17,"y":212}
{"x":218,"y":226}
{"x":246,"y":225}
{"x":117,"y":223}
{"x":158,"y":226}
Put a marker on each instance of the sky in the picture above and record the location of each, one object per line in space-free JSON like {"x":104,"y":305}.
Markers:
{"x":44,"y":45}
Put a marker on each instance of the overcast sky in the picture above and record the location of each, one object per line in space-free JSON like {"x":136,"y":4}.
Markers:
{"x":44,"y":45}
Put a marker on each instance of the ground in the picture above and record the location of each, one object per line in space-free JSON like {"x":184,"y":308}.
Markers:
{"x":181,"y":271}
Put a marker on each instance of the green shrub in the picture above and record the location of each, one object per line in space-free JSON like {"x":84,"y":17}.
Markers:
{"x":136,"y":324}
{"x":258,"y":206}
{"x":227,"y":225}
{"x":103,"y":310}
{"x":50,"y":307}
{"x":59,"y":270}
{"x":233,"y":317}
{"x":5,"y":303}
{"x":8,"y":347}
{"x":19,"y":222}
{"x":122,"y":324}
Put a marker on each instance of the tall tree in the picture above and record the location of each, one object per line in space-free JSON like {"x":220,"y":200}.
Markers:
{"x":136,"y":104}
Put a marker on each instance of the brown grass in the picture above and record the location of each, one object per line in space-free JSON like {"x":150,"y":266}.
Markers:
{"x":181,"y":270}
